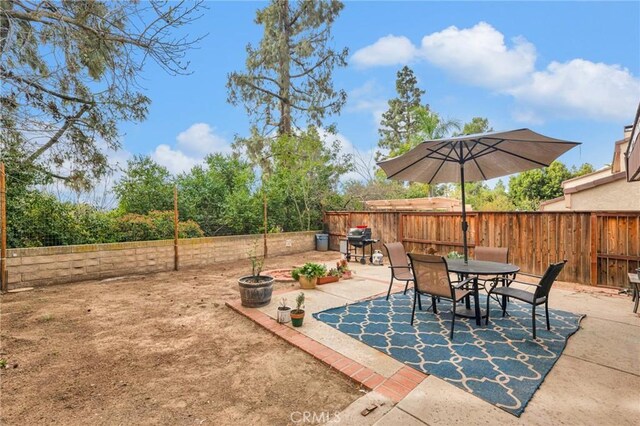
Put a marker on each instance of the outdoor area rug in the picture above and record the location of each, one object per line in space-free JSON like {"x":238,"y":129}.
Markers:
{"x":499,"y":363}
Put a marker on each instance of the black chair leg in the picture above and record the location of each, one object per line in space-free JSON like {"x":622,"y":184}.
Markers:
{"x":635,"y":307}
{"x":488,"y":308}
{"x":413,"y":311}
{"x":546,"y":312}
{"x":406,"y":286}
{"x":533,"y":320}
{"x":390,"y":285}
{"x":504,"y":306}
{"x":419,"y":300}
{"x":433,"y":303}
{"x":453,"y":319}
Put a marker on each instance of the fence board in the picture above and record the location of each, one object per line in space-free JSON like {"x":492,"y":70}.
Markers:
{"x":535,"y":239}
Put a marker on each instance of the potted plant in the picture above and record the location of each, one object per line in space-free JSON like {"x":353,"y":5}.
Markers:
{"x":307,"y":275}
{"x":284,"y":312}
{"x":332,"y":276}
{"x":255,"y":289}
{"x":454,"y":255}
{"x":343,"y":269}
{"x":297,"y":315}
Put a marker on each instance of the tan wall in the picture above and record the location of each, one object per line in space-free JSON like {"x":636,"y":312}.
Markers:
{"x":619,"y":195}
{"x":52,"y":265}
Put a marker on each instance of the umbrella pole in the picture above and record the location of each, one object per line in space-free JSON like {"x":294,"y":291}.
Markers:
{"x":465,"y":225}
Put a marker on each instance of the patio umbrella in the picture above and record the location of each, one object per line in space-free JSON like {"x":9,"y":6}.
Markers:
{"x":476,"y":157}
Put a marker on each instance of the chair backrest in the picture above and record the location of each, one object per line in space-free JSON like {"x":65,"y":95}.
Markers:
{"x":492,"y":254}
{"x":549,"y":278}
{"x":431,"y":275}
{"x":397,"y":255}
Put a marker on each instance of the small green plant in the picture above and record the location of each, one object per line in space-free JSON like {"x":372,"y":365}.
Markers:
{"x":342,"y":266}
{"x":309,"y":270}
{"x":299,"y":304}
{"x":333,"y":272}
{"x":283,"y":303}
{"x":3,"y":363}
{"x":257,"y":262}
{"x":454,"y":255}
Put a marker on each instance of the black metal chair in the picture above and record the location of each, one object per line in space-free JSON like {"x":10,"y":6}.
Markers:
{"x":538,"y":297}
{"x":400,"y":269}
{"x":431,"y":278}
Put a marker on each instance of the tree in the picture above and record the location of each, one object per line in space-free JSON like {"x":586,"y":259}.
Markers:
{"x":476,"y":125}
{"x":69,"y":75}
{"x":398,"y":127}
{"x":218,"y":196}
{"x":288,"y":76}
{"x":144,"y":187}
{"x":305,"y":176}
{"x":529,"y":188}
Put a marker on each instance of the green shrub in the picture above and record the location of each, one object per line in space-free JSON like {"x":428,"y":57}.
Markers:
{"x":309,"y":270}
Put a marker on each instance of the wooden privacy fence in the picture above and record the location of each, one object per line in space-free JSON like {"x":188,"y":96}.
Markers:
{"x":600,"y":247}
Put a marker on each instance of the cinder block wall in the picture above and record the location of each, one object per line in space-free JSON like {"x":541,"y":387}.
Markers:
{"x":54,"y":265}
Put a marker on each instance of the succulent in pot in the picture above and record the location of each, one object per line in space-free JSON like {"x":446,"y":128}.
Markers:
{"x":284,"y":312}
{"x":343,"y":269}
{"x":256,"y":289}
{"x":297,"y":314}
{"x":307,"y":275}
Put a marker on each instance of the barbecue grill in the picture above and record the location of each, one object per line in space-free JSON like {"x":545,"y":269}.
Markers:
{"x":360,"y":238}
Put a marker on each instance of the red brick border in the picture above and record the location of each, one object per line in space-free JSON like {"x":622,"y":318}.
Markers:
{"x":395,"y":387}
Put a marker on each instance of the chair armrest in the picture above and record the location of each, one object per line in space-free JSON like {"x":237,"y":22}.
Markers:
{"x":521,"y":282}
{"x":401,"y":267}
{"x":462,"y":283}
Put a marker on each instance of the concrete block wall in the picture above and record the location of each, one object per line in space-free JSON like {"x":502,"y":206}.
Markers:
{"x":54,"y":265}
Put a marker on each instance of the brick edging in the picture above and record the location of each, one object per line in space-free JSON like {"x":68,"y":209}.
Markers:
{"x":395,"y":387}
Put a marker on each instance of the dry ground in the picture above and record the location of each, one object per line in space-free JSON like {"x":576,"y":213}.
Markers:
{"x":155,"y":349}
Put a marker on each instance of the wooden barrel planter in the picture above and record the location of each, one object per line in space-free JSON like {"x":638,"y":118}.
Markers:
{"x":255,"y":291}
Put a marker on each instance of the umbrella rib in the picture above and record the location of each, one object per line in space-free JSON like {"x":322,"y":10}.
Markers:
{"x":514,"y":154}
{"x":471,"y":156}
{"x":417,"y":161}
{"x":440,"y":166}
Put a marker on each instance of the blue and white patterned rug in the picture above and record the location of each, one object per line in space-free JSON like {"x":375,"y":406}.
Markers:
{"x":499,"y":363}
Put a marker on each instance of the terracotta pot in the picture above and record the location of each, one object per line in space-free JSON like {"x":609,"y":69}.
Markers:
{"x":255,"y":291}
{"x":297,"y":316}
{"x":307,"y":283}
{"x":326,"y":280}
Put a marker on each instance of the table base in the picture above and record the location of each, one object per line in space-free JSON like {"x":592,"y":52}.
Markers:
{"x":470,"y":313}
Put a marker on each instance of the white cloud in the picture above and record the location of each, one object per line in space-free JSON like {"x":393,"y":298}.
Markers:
{"x":363,"y":161}
{"x":480,"y":56}
{"x":200,"y":138}
{"x":581,"y":87}
{"x":192,"y":146}
{"x":174,"y":160}
{"x":368,"y":98}
{"x":388,"y":50}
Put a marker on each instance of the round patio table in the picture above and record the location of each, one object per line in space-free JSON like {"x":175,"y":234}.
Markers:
{"x":478,"y":267}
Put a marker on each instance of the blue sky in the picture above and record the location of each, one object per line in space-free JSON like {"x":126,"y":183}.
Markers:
{"x":569,"y":70}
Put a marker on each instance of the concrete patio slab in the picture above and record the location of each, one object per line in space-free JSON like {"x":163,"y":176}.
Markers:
{"x":357,"y":288}
{"x":613,"y":344}
{"x":352,"y":414}
{"x":594,"y":305}
{"x":398,"y":417}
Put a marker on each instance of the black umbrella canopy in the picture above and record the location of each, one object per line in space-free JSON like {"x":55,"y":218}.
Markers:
{"x":484,"y":156}
{"x":472,"y":158}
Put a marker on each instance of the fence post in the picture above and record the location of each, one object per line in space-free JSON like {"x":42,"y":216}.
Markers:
{"x":175,"y":228}
{"x":594,"y":249}
{"x":4,"y":276}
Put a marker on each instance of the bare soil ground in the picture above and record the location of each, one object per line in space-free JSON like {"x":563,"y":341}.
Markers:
{"x":155,"y":349}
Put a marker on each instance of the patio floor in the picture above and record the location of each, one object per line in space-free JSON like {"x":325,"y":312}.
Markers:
{"x":595,"y":381}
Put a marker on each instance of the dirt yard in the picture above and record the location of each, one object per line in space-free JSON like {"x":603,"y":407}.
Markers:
{"x":155,"y":349}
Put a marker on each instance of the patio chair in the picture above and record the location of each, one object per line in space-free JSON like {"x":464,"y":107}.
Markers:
{"x":431,"y":278}
{"x":491,"y":254}
{"x":538,"y":297}
{"x":400,"y":269}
